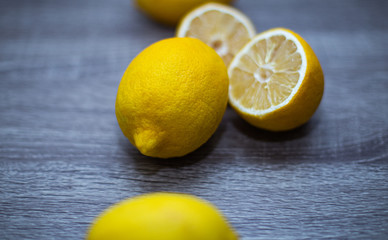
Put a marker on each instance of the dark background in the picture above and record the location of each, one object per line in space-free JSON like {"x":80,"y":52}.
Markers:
{"x":63,"y":158}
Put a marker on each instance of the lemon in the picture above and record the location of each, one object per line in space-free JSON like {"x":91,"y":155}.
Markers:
{"x":161,"y":216}
{"x":172,"y":97}
{"x":170,"y":11}
{"x":276,"y":81}
{"x":221,"y":27}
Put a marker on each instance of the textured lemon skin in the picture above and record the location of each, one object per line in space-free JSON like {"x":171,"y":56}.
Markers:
{"x":172,"y":97}
{"x":170,"y":12}
{"x":161,"y":216}
{"x":304,"y":103}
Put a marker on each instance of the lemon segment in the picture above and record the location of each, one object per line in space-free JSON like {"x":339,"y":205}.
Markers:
{"x":162,"y":216}
{"x":223,"y":28}
{"x":276,"y":81}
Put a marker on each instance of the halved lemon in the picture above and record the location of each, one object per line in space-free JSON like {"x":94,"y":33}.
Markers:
{"x":223,"y":28}
{"x":276,"y":81}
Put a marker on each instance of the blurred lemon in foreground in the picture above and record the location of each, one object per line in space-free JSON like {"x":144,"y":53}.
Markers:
{"x":170,"y":11}
{"x":223,"y":28}
{"x":276,"y":81}
{"x":161,"y":216}
{"x":172,"y":97}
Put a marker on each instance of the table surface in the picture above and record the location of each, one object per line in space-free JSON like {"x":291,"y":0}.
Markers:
{"x":63,"y":158}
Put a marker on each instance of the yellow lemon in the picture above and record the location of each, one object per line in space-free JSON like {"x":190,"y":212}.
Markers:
{"x":221,"y":27}
{"x":276,"y":81}
{"x":161,"y":216}
{"x":170,"y":11}
{"x":172,"y":97}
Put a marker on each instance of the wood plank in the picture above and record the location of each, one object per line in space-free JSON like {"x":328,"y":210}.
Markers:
{"x":63,"y":158}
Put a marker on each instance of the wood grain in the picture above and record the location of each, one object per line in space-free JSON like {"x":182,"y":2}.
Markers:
{"x":63,"y":158}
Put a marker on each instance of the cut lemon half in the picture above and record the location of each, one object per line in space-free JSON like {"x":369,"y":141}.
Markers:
{"x":276,"y":81}
{"x":223,"y":28}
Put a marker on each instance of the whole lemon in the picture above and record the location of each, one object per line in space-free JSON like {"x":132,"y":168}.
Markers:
{"x":170,"y":11}
{"x":172,"y":97}
{"x":161,"y":216}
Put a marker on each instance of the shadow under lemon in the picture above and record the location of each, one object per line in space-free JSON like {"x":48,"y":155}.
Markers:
{"x":184,"y":174}
{"x":155,"y":164}
{"x":259,"y":134}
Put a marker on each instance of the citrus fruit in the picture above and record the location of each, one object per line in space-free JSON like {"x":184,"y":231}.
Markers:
{"x":276,"y":81}
{"x":221,"y":27}
{"x":170,"y":11}
{"x":172,"y":97}
{"x":161,"y":216}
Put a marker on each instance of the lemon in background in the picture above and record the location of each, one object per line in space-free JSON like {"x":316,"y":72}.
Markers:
{"x":172,"y":97}
{"x":170,"y":11}
{"x":222,"y":27}
{"x":276,"y":81}
{"x":162,"y":216}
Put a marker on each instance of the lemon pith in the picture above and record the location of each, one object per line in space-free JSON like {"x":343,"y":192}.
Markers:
{"x":162,"y":216}
{"x":276,"y":81}
{"x":223,"y":28}
{"x":172,"y":97}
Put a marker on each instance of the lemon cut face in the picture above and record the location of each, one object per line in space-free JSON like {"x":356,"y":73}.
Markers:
{"x":276,"y":81}
{"x":221,"y":27}
{"x":267,"y":73}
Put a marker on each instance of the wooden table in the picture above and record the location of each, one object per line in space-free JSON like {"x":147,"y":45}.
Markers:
{"x":63,"y":158}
